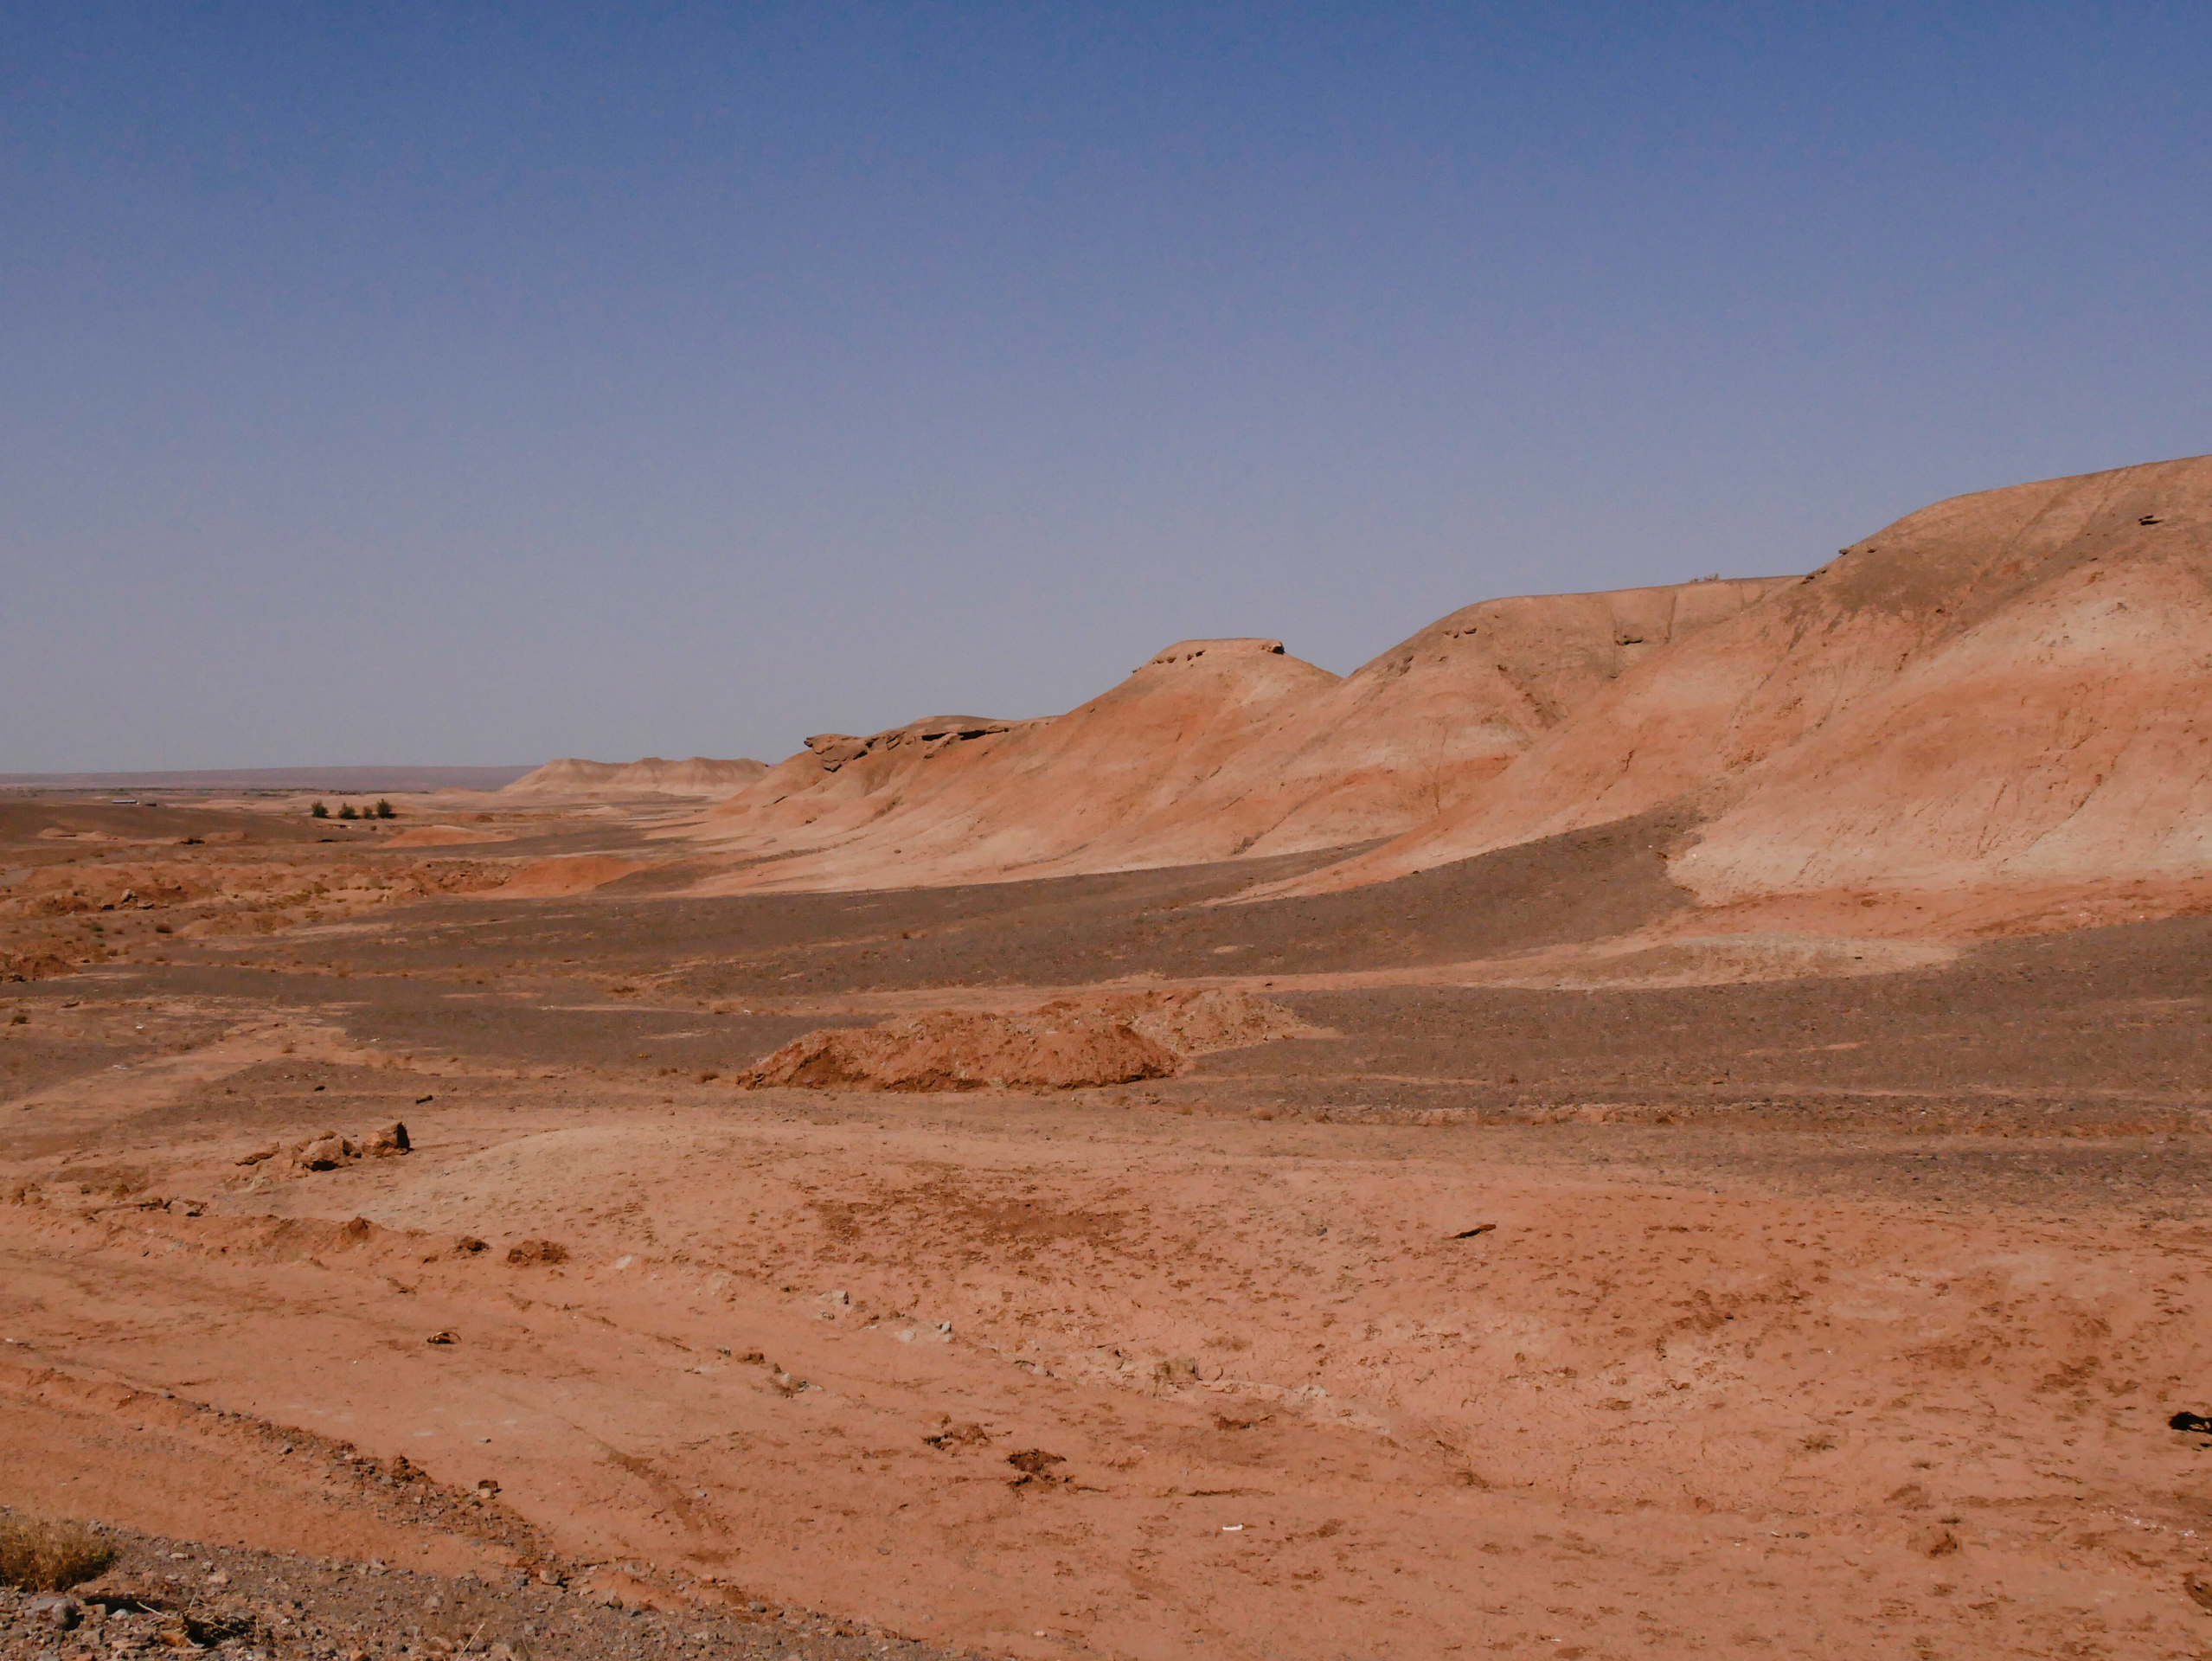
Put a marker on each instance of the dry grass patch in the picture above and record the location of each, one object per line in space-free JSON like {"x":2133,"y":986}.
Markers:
{"x":40,"y":1555}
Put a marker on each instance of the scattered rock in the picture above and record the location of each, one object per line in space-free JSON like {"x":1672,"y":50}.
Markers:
{"x":1036,"y":1466}
{"x":391,"y":1140}
{"x":2199,"y":1589}
{"x":327,"y":1150}
{"x":441,"y":1338}
{"x":961,"y":1435}
{"x":1479,"y":1229}
{"x":1934,"y":1541}
{"x":2196,"y":1423}
{"x":527,"y":1252}
{"x":62,"y":1614}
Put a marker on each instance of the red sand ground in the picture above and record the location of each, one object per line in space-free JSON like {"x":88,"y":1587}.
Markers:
{"x":1736,"y":1182}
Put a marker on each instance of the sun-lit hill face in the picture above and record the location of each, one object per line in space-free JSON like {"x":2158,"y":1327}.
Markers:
{"x":2004,"y":688}
{"x":699,"y":776}
{"x":2002,"y":691}
{"x":966,"y":799}
{"x":1210,"y":749}
{"x":1423,"y":728}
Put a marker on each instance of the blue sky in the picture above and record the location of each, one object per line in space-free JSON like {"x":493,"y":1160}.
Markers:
{"x":413,"y":383}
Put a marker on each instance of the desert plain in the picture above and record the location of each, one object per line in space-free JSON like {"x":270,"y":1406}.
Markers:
{"x":1662,"y":1123}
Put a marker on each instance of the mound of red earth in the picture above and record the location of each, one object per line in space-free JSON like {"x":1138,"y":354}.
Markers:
{"x":1064,"y":1045}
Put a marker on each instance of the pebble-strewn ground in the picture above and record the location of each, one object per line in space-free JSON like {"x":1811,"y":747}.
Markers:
{"x":1794,"y":1317}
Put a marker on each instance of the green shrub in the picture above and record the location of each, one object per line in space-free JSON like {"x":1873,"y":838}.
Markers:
{"x":347,"y":812}
{"x":385,"y":809}
{"x":318,"y":812}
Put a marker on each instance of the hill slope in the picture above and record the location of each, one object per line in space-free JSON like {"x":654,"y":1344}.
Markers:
{"x":2005,"y":688}
{"x":1212,"y":750}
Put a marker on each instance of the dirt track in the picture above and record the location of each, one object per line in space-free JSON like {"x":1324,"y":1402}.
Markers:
{"x":1816,"y":1312}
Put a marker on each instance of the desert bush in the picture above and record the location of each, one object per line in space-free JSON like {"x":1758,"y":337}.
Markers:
{"x":347,"y":812}
{"x":40,"y":1555}
{"x":318,"y":812}
{"x":384,"y":809}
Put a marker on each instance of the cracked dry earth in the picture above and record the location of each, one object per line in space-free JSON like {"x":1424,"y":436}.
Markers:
{"x":1242,"y":1365}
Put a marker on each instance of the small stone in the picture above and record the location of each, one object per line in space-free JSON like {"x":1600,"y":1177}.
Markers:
{"x":389,"y":1142}
{"x":60,"y":1613}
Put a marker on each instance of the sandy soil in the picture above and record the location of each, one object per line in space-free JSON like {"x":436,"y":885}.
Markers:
{"x":1706,"y":1307}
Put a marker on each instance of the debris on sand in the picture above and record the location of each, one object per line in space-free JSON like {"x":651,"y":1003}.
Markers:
{"x":2196,"y":1423}
{"x":1036,"y":1466}
{"x":1479,"y":1229}
{"x":327,"y":1150}
{"x":1064,"y":1045}
{"x":960,"y":1435}
{"x":526,"y":1254}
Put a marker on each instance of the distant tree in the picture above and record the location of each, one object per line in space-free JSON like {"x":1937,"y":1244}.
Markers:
{"x":385,"y":809}
{"x":347,"y":812}
{"x":318,"y":812}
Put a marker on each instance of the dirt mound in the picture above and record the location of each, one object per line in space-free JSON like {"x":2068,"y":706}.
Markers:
{"x":699,"y":776}
{"x":1064,"y":1045}
{"x":2005,"y":689}
{"x":441,"y":836}
{"x":565,"y":874}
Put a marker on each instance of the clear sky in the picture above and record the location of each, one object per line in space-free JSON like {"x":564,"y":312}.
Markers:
{"x":480,"y":383}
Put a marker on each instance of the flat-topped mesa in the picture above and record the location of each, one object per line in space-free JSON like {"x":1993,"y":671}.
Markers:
{"x":699,"y":776}
{"x":932,"y":734}
{"x":1189,"y":651}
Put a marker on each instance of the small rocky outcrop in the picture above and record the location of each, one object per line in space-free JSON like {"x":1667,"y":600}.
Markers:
{"x":327,"y":1150}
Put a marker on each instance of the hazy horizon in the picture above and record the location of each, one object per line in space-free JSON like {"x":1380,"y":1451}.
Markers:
{"x":431,"y":386}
